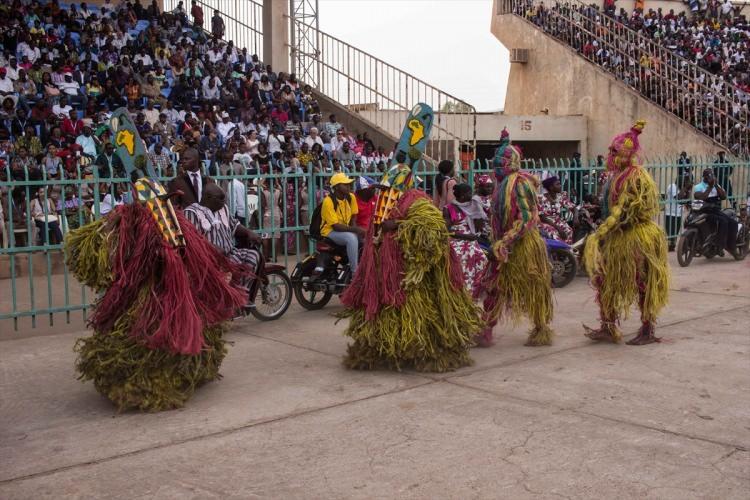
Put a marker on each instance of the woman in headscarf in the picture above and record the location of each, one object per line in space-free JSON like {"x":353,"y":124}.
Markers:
{"x":552,"y":203}
{"x":465,"y":219}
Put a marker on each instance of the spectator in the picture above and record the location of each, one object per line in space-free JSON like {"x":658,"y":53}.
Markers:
{"x":684,"y":168}
{"x":238,"y":196}
{"x":197,"y":12}
{"x":161,"y":160}
{"x":188,"y":185}
{"x":45,"y":218}
{"x":52,"y":163}
{"x":346,"y":156}
{"x":225,"y":128}
{"x":62,"y":109}
{"x":87,"y":142}
{"x":217,"y":25}
{"x":164,"y":130}
{"x":6,"y":85}
{"x":109,"y":162}
{"x":29,"y":141}
{"x":723,"y":173}
{"x":72,"y":126}
{"x":313,"y":138}
{"x":253,"y":142}
{"x":151,"y":89}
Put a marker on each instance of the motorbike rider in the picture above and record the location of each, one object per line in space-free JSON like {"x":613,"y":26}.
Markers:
{"x":338,"y":218}
{"x":710,"y":195}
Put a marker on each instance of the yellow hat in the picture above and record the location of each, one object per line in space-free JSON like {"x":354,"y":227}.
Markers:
{"x":340,"y":178}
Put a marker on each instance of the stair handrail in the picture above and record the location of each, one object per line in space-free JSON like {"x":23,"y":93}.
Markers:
{"x":519,"y":7}
{"x":373,"y":90}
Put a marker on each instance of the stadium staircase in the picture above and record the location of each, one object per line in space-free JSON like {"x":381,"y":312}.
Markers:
{"x":671,"y":78}
{"x":366,"y":93}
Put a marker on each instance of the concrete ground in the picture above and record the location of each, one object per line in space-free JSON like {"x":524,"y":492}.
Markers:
{"x":575,"y":420}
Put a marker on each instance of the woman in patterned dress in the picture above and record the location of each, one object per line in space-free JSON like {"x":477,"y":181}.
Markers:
{"x":465,"y":219}
{"x":551,"y":205}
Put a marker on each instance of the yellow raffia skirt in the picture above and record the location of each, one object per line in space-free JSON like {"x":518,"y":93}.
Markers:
{"x":631,"y":259}
{"x":434,"y":328}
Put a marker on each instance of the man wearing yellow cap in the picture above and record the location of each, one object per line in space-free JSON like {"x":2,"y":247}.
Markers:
{"x":337,"y":215}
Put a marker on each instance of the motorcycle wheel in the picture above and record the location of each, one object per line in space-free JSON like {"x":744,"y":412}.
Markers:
{"x":742,"y":250}
{"x":564,"y":267}
{"x":274,"y":297}
{"x":312,"y":300}
{"x":686,"y":247}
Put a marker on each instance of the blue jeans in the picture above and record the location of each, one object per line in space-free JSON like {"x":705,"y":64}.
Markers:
{"x":351,"y":242}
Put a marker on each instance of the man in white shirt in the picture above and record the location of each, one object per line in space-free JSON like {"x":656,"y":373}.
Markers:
{"x":6,"y":84}
{"x":68,"y":86}
{"x":313,"y":138}
{"x":238,"y":196}
{"x":87,"y":142}
{"x":215,"y":54}
{"x":62,"y":108}
{"x":151,"y":114}
{"x":12,"y":69}
{"x":225,"y":127}
{"x":275,"y":140}
{"x":337,"y":140}
{"x":211,"y":92}
{"x":246,"y":125}
{"x":174,"y":115}
{"x":144,"y":59}
{"x":29,"y":50}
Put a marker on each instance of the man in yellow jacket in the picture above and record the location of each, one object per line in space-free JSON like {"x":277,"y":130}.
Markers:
{"x":337,"y":218}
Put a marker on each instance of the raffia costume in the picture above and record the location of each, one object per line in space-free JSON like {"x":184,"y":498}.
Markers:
{"x":407,"y":306}
{"x":518,"y":281}
{"x":164,"y":292}
{"x":627,"y":256}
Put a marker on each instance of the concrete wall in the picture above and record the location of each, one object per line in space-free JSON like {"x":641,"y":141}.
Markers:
{"x":353,"y":122}
{"x":558,"y":79}
{"x":489,"y":125}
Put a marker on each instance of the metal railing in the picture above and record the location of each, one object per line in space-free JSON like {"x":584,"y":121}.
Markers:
{"x":37,"y":283}
{"x":243,"y":21}
{"x":677,"y":85}
{"x":381,"y":93}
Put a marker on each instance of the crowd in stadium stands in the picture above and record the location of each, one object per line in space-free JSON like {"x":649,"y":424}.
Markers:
{"x":64,"y":69}
{"x":714,"y":35}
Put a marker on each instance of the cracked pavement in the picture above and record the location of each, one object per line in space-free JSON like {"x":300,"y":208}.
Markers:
{"x":574,"y":420}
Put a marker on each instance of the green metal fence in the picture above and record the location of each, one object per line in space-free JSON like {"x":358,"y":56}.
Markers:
{"x":35,"y":283}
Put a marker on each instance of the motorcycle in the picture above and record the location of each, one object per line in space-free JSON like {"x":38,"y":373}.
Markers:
{"x":586,"y":226}
{"x":271,"y":292}
{"x":564,"y":262}
{"x":562,"y":259}
{"x":314,"y":290}
{"x":691,"y":243}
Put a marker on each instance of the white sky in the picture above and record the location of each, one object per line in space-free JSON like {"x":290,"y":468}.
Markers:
{"x":457,"y":53}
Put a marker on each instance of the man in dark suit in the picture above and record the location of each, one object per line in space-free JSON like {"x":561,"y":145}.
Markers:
{"x":190,"y":182}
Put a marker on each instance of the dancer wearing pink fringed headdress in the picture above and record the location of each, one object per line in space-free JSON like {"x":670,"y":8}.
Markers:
{"x":627,"y":256}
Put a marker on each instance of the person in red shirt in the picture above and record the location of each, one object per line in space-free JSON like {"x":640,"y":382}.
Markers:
{"x":72,"y":126}
{"x":366,"y":201}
